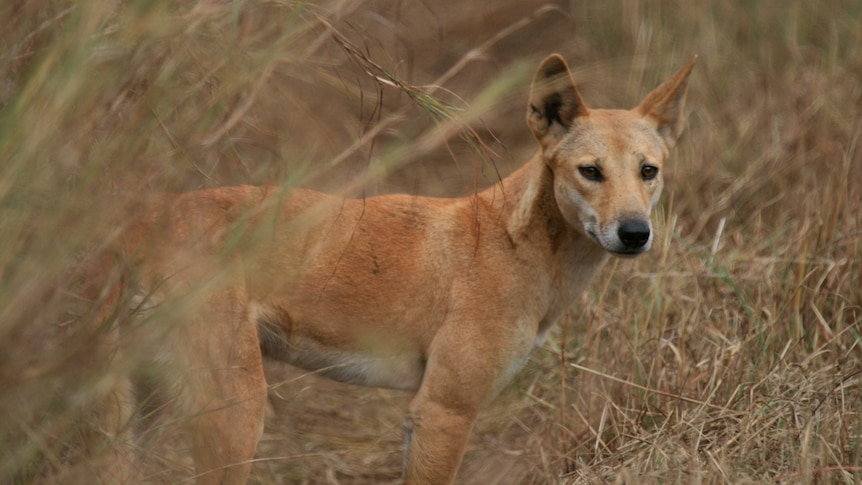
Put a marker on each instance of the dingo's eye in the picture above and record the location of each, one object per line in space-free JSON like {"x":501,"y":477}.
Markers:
{"x":591,"y":173}
{"x":649,"y":172}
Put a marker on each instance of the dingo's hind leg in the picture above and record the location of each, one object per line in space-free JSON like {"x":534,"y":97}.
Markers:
{"x":225,"y":392}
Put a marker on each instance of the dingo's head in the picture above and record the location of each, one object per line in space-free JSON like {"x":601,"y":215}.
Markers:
{"x":607,"y":164}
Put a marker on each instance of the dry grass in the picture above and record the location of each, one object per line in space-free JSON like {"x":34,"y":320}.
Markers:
{"x":729,"y":354}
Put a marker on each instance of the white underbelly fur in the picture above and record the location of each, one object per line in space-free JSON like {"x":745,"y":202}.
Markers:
{"x":396,"y":371}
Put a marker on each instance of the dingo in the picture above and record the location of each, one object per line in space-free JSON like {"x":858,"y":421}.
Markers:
{"x":446,"y":297}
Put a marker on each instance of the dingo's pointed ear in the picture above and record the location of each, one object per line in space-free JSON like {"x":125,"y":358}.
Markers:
{"x":554,"y":101}
{"x":666,"y":104}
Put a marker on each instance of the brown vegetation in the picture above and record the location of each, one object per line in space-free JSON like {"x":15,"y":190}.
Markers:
{"x":729,"y":354}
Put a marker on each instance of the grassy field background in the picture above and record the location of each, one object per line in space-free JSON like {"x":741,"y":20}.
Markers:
{"x":729,"y":354}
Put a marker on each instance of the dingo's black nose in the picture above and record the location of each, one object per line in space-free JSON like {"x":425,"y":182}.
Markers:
{"x":634,"y":234}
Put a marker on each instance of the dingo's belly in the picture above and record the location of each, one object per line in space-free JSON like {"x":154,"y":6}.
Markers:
{"x":395,"y":371}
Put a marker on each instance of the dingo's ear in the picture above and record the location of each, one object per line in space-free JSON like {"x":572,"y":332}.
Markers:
{"x":666,"y":104}
{"x":554,"y":101}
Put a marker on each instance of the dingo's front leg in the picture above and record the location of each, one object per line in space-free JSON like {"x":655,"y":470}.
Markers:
{"x":436,"y":437}
{"x":466,"y":366}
